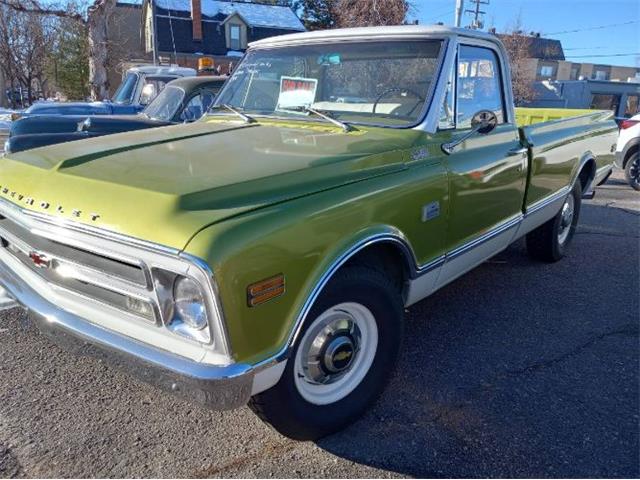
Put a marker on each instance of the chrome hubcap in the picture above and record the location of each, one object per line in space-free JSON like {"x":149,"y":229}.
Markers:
{"x":566,"y":219}
{"x":335,"y":353}
{"x":333,"y":350}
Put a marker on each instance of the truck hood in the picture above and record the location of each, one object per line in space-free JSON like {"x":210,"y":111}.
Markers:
{"x":165,"y":184}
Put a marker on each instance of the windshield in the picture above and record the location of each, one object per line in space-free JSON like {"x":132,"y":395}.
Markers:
{"x":166,"y":104}
{"x":383,"y":83}
{"x":125,"y":91}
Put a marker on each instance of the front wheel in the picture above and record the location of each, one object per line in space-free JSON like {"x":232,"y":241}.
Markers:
{"x":632,"y":171}
{"x":549,"y":241}
{"x":342,"y":360}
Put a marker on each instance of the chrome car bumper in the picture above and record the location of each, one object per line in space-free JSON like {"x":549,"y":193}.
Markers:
{"x":218,"y":387}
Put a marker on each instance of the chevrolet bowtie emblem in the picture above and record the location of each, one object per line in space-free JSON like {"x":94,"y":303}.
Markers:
{"x":40,"y":260}
{"x":340,"y":356}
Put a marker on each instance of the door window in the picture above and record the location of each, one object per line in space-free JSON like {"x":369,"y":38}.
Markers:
{"x":152,"y":87}
{"x":197,"y":106}
{"x":479,"y":85}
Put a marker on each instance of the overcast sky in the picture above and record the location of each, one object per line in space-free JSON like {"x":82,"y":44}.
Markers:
{"x":609,"y":29}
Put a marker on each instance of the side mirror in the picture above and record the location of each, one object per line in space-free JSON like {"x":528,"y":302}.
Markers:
{"x":482,"y":123}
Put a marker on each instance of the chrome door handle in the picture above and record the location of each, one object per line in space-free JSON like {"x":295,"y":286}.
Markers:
{"x":517,"y":151}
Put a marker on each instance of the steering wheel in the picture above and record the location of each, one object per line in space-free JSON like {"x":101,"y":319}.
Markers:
{"x":401,"y":90}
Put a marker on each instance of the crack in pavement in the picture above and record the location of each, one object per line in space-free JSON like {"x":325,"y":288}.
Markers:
{"x":269,"y":450}
{"x":622,"y":209}
{"x":627,"y":330}
{"x":608,"y":234}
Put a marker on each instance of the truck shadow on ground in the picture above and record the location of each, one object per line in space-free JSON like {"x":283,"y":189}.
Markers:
{"x":518,"y":368}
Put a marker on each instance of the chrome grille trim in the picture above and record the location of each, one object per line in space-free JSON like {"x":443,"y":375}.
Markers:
{"x":39,"y":241}
{"x":121,"y":248}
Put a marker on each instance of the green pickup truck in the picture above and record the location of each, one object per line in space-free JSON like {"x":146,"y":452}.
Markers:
{"x":266,"y":253}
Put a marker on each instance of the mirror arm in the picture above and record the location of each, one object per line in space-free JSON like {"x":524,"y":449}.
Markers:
{"x":449,"y":147}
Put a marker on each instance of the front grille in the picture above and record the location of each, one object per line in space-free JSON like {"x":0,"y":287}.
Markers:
{"x":70,"y":268}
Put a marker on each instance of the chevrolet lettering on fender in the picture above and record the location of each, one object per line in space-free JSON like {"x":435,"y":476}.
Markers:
{"x":264,"y":255}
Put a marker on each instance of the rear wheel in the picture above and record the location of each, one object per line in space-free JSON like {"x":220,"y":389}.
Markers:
{"x":549,"y":241}
{"x":342,"y":360}
{"x":632,"y":171}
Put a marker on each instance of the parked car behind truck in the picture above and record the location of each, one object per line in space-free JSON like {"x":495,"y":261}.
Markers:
{"x":183,"y":100}
{"x":139,"y":87}
{"x":265,"y":254}
{"x":628,"y":150}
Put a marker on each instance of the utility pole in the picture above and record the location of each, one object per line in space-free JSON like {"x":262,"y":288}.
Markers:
{"x":459,"y":9}
{"x":478,"y":21}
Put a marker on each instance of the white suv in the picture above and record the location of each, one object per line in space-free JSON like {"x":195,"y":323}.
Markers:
{"x":628,"y":150}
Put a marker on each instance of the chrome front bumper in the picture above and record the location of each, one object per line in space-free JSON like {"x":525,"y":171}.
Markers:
{"x":218,"y":387}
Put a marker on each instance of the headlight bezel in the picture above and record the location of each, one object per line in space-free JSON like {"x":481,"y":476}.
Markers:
{"x":214,"y":334}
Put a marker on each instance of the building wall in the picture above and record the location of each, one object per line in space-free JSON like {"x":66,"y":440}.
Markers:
{"x":622,"y":74}
{"x":586,"y":70}
{"x":563,"y":71}
{"x":125,"y":28}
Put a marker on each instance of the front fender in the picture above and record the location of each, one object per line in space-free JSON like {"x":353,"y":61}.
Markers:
{"x":307,"y":240}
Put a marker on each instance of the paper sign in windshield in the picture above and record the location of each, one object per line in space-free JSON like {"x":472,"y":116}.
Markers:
{"x":296,"y":93}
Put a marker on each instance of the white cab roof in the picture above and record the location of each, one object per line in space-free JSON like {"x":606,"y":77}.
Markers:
{"x":372,"y":32}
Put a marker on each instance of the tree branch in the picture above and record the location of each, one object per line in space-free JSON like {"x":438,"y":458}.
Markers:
{"x":36,"y":8}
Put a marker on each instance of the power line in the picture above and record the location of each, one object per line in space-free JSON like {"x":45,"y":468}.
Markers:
{"x":604,"y":55}
{"x":587,"y":48}
{"x":598,"y":27}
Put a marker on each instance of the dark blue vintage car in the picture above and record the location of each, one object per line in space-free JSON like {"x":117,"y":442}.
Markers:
{"x":139,"y":87}
{"x":183,"y":100}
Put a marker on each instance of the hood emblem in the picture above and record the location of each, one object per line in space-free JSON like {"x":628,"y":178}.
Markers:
{"x":40,"y":260}
{"x":44,"y":205}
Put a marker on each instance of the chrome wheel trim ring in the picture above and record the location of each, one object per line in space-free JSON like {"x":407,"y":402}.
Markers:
{"x":566,"y":219}
{"x":335,"y":353}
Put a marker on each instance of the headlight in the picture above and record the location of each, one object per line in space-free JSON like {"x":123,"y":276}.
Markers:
{"x":7,"y":146}
{"x":189,"y":303}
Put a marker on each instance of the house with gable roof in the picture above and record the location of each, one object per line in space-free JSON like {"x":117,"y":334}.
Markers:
{"x":186,"y":30}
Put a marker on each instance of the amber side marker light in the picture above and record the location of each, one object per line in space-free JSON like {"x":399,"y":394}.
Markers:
{"x":265,"y":290}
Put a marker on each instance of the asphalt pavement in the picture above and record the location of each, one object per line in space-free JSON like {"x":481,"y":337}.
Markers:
{"x":517,"y":369}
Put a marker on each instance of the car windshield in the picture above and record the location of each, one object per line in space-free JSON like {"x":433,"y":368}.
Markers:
{"x":382,"y":83}
{"x":126,"y":89}
{"x":166,"y":104}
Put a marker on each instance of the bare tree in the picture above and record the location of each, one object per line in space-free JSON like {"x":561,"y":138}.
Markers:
{"x":95,"y":22}
{"x":364,"y":13}
{"x":25,"y":43}
{"x":518,"y":48}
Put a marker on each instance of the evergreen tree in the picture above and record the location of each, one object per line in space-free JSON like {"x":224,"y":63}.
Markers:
{"x":316,"y":14}
{"x":69,"y":63}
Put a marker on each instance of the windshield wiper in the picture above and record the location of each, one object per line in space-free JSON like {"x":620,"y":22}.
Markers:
{"x":243,"y":116}
{"x":343,"y":125}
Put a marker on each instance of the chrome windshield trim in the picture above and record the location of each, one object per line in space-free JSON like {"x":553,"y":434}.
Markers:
{"x":420,"y":120}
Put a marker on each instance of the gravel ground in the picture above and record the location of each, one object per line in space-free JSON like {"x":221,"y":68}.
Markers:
{"x":518,"y":369}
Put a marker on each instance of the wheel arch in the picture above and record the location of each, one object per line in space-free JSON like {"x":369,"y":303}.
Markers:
{"x":632,"y":147}
{"x":385,"y":239}
{"x":586,"y":171}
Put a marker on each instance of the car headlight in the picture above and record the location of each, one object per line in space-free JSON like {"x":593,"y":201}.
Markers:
{"x":189,"y":303}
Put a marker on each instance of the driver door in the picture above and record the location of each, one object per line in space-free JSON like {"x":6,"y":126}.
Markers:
{"x":487,"y":174}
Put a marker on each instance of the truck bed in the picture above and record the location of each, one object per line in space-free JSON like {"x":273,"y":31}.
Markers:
{"x":558,"y":141}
